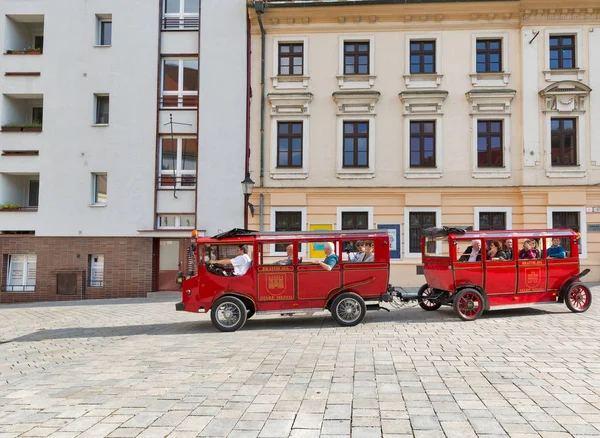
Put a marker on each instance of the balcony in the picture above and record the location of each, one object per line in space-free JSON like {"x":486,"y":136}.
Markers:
{"x":24,"y":35}
{"x":19,"y":192}
{"x":22,"y":112}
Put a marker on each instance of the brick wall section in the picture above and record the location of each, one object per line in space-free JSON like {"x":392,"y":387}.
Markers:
{"x":127,"y":266}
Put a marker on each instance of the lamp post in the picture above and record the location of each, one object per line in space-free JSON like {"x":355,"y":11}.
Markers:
{"x":247,"y":188}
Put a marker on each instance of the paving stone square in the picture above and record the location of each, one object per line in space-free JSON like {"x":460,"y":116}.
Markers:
{"x":138,"y":368}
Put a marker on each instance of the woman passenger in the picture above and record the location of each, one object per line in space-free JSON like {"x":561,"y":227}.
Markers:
{"x":527,"y":252}
{"x":495,"y":252}
{"x":369,"y":254}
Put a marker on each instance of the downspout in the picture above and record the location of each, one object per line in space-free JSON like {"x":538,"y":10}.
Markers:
{"x":248,"y":96}
{"x":259,"y":7}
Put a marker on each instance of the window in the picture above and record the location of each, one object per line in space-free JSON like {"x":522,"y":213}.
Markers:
{"x":422,"y":57}
{"x":37,"y":115}
{"x":291,"y":58}
{"x":38,"y":42}
{"x":102,"y":109}
{"x":96,"y":270}
{"x":287,"y":221}
{"x":21,"y":273}
{"x":104,"y":23}
{"x":562,"y":51}
{"x":181,"y":14}
{"x":489,"y":55}
{"x":422,"y":143}
{"x":417,"y":221}
{"x":180,"y":83}
{"x":176,"y":221}
{"x":34,"y":193}
{"x":355,"y":220}
{"x":492,"y":220}
{"x":289,"y":144}
{"x":178,"y":161}
{"x":356,"y":58}
{"x":356,"y":144}
{"x":489,"y":143}
{"x":563,"y":142}
{"x":100,"y":182}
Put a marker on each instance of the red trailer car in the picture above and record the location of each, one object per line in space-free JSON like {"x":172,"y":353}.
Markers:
{"x":525,"y":268}
{"x":276,"y":283}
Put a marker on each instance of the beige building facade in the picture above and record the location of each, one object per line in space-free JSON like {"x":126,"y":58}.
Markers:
{"x":404,"y":116}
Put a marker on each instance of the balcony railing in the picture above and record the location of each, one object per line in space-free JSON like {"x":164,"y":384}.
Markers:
{"x":183,"y":182}
{"x":18,"y":208}
{"x":179,"y":101}
{"x":181,"y":23}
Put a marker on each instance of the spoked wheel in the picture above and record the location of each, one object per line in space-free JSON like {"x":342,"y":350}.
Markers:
{"x":578,"y":298}
{"x":425,"y":303}
{"x":468,"y":304}
{"x":228,"y":314}
{"x":348,"y":309}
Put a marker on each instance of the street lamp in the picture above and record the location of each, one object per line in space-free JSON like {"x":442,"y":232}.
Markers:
{"x":247,"y":188}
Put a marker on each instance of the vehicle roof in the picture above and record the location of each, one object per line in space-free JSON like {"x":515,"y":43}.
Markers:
{"x":506,"y":234}
{"x":299,"y":236}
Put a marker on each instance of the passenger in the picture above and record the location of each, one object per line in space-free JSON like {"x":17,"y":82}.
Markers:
{"x":289,"y":259}
{"x":508,"y":249}
{"x":527,"y":252}
{"x":536,"y":246}
{"x":472,"y":253}
{"x":241,"y":263}
{"x":495,"y":253}
{"x":556,"y":251}
{"x":355,"y":257}
{"x":331,"y":258}
{"x":369,"y":255}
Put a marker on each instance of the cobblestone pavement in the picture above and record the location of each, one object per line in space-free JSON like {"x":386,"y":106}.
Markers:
{"x":128,"y":368}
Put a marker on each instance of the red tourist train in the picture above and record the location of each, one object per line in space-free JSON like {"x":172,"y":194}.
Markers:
{"x":240,"y":273}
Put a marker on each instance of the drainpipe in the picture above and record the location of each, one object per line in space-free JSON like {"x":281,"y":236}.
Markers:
{"x":248,"y":97}
{"x":259,"y":7}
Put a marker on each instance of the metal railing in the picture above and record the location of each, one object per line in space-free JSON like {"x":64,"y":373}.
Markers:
{"x":179,"y":101}
{"x":180,"y":182}
{"x":181,"y":23}
{"x":18,"y":208}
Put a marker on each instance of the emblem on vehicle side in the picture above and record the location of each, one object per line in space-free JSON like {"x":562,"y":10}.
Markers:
{"x":276,"y":284}
{"x":533,"y":276}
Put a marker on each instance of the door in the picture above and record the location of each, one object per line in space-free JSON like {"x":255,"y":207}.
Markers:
{"x":34,"y":193}
{"x":171,"y":258}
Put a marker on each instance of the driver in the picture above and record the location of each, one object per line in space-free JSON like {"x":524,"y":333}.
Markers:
{"x":241,"y":263}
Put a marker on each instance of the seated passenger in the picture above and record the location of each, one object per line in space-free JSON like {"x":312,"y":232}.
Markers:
{"x":527,"y":252}
{"x":472,"y":253}
{"x":536,"y":245}
{"x":290,"y":257}
{"x":556,"y":251}
{"x":355,"y":257}
{"x":495,"y":253}
{"x":369,"y":255}
{"x":508,"y":249}
{"x":331,"y":258}
{"x":241,"y":263}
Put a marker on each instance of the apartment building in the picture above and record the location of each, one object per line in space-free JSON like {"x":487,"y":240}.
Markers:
{"x":114,"y":121}
{"x":406,"y":115}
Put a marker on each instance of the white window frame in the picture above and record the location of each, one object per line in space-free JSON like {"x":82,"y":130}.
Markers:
{"x":355,"y":173}
{"x":96,"y":268}
{"x":177,"y":225}
{"x":506,"y":210}
{"x":292,"y":81}
{"x":96,"y":115}
{"x":423,"y":80}
{"x":95,"y":202}
{"x":28,"y":259}
{"x":181,"y":15}
{"x":179,"y":92}
{"x":289,"y":172}
{"x":582,"y":224}
{"x":492,"y":172}
{"x":579,"y":171}
{"x":179,"y":172}
{"x":424,"y":173}
{"x":569,"y":74}
{"x":102,"y":18}
{"x":490,"y":79}
{"x":274,"y":211}
{"x":438,"y":223}
{"x":354,"y":82}
{"x":340,"y":210}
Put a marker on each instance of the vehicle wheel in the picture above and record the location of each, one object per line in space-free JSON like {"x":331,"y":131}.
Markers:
{"x":228,"y":314}
{"x":468,"y":304}
{"x":578,"y":298}
{"x":348,"y":309}
{"x":250,"y":313}
{"x":426,"y":304}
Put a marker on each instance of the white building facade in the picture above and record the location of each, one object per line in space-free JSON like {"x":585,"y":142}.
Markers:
{"x":98,"y":194}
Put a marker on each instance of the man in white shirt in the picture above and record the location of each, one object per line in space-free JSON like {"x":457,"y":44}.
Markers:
{"x":472,"y":253}
{"x":241,"y":263}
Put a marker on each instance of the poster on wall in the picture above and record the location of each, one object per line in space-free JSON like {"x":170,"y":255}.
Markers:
{"x":395,"y":239}
{"x":316,"y":250}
